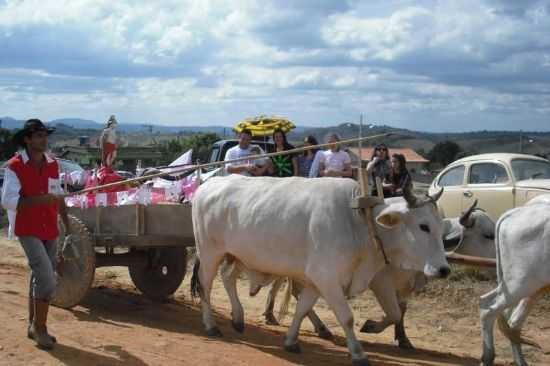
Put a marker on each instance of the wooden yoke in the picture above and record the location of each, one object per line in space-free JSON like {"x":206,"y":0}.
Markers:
{"x":365,"y":204}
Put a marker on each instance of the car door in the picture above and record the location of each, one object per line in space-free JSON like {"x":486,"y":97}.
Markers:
{"x":452,"y":181}
{"x":490,"y":183}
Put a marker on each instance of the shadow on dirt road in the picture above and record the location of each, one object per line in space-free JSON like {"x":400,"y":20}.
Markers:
{"x":119,"y":307}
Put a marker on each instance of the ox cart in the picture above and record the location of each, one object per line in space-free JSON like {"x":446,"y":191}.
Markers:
{"x":151,"y":240}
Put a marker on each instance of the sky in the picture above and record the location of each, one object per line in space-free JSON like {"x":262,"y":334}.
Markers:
{"x":452,"y":65}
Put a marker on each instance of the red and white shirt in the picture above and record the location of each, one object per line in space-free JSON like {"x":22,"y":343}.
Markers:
{"x":22,"y":179}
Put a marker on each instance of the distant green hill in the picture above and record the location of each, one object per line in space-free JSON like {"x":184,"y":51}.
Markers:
{"x":476,"y":142}
{"x":124,"y":127}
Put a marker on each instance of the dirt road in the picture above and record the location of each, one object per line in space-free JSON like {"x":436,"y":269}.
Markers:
{"x":115,"y":325}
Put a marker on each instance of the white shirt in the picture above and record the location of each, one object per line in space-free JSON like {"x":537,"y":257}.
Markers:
{"x":108,"y":135}
{"x":236,"y":152}
{"x":12,"y":187}
{"x":314,"y":170}
{"x":335,"y":161}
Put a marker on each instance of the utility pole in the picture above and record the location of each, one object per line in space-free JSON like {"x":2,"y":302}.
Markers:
{"x":360,"y":143}
{"x":520,"y":141}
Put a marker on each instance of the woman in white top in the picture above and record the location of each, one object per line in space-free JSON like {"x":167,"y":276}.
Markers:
{"x":335,"y":162}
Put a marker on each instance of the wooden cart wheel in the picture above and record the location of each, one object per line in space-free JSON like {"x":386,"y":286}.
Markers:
{"x":79,"y":265}
{"x":162,"y":274}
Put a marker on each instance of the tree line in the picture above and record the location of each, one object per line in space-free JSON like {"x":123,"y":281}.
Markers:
{"x":7,"y":147}
{"x":200,"y":143}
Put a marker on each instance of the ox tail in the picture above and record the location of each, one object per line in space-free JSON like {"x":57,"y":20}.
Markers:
{"x":497,"y":248}
{"x":514,"y":335}
{"x":283,"y":310}
{"x":196,"y":287}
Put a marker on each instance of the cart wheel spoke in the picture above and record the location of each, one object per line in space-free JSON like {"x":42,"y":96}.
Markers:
{"x":79,"y":266}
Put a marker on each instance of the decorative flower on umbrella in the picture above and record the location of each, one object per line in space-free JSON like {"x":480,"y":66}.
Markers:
{"x":264,"y":125}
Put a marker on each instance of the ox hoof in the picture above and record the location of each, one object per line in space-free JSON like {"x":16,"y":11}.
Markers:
{"x":362,"y":362}
{"x":294,"y":348}
{"x":214,"y":332}
{"x":254,"y":291}
{"x":239,"y":327}
{"x":324,"y":333}
{"x":370,"y":326}
{"x":486,"y":363}
{"x":405,"y":344}
{"x":487,"y":360}
{"x":271,"y":320}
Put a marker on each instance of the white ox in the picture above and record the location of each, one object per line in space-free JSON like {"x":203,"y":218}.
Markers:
{"x":541,"y":198}
{"x":473,"y":233}
{"x":522,"y":239}
{"x":470,"y":234}
{"x":305,"y":229}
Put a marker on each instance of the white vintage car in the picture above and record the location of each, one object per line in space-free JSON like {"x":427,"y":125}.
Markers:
{"x":498,"y":181}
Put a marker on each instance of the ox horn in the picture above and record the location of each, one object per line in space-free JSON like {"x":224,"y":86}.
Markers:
{"x":437,"y":195}
{"x":465,"y":219}
{"x":408,"y":195}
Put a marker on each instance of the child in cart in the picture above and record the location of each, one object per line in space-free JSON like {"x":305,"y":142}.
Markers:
{"x":259,"y":164}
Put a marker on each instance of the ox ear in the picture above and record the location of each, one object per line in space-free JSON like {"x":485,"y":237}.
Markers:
{"x":389,"y":219}
{"x":452,"y":230}
{"x":453,"y":234}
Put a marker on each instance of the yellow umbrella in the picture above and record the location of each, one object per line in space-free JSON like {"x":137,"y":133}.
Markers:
{"x":264,"y":125}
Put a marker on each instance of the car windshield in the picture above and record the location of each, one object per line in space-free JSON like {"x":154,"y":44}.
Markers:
{"x":530,"y":169}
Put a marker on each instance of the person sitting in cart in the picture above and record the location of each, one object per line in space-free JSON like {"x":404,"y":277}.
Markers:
{"x":282,"y":165}
{"x":335,"y":162}
{"x":380,"y":167}
{"x":243,"y":149}
{"x":399,"y":176}
{"x":32,"y":189}
{"x":259,"y":163}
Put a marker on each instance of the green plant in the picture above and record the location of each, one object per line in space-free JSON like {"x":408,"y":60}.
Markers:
{"x":444,"y":153}
{"x":7,"y":147}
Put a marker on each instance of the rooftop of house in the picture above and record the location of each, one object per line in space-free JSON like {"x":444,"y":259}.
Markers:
{"x":410,"y":155}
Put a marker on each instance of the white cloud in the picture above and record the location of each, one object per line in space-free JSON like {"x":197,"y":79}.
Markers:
{"x":315,"y":61}
{"x":385,"y":38}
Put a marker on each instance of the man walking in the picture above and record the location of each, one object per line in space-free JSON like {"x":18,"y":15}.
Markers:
{"x":32,"y":189}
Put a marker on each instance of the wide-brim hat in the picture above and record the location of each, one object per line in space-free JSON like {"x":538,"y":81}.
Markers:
{"x":30,"y":126}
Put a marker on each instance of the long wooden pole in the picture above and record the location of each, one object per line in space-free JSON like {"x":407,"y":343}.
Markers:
{"x":471,"y":260}
{"x":366,"y":206}
{"x":219,"y":163}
